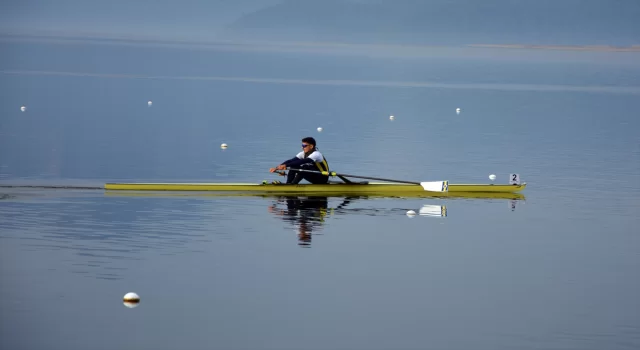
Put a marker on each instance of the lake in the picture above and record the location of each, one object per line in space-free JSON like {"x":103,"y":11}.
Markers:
{"x":556,"y":269}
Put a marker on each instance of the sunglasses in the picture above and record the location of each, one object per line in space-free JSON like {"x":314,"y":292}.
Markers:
{"x":305,"y":145}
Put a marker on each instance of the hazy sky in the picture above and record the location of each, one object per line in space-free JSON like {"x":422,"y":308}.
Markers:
{"x":164,"y":18}
{"x":562,"y":22}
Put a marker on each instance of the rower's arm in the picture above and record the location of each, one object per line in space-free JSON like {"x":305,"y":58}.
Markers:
{"x":297,"y":161}
{"x":287,"y":162}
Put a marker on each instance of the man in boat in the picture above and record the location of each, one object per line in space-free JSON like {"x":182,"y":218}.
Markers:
{"x":309,"y":159}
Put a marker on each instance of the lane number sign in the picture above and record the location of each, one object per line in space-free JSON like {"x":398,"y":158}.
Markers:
{"x":514,"y":179}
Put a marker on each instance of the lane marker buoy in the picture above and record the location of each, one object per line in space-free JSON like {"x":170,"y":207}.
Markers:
{"x":131,"y":300}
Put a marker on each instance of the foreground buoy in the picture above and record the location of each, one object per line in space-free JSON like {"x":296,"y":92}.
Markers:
{"x":149,"y":103}
{"x":411,"y":213}
{"x":457,"y":110}
{"x":492,"y":177}
{"x":223,"y":146}
{"x":23,"y":108}
{"x":319,"y":129}
{"x":391,"y":117}
{"x":131,"y":300}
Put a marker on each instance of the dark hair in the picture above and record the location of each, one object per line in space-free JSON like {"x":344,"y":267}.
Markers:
{"x":310,"y":140}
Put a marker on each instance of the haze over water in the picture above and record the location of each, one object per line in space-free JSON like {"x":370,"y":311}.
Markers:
{"x":555,"y":269}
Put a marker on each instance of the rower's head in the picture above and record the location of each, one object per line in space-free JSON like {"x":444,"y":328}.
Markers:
{"x":308,"y":144}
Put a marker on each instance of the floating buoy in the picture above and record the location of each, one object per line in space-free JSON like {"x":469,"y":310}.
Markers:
{"x":149,"y":103}
{"x":223,"y":146}
{"x":411,"y":213}
{"x":457,"y":110}
{"x":131,"y":300}
{"x":391,"y":117}
{"x":23,"y":108}
{"x":492,"y":177}
{"x":319,"y":129}
{"x":131,"y":297}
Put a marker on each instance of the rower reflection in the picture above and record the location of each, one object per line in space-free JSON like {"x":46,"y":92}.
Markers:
{"x":307,"y":214}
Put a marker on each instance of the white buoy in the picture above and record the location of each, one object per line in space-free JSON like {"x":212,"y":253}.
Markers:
{"x":319,"y":129}
{"x":411,"y":213}
{"x":391,"y":117}
{"x":457,"y":110}
{"x":492,"y":177}
{"x":23,"y":108}
{"x":223,"y":146}
{"x":131,"y":300}
{"x":131,"y":297}
{"x":149,"y":103}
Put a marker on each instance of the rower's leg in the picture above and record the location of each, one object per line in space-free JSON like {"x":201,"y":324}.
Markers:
{"x":296,"y":180}
{"x":294,"y":177}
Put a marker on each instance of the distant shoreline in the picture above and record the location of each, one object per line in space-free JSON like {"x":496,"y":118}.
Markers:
{"x":605,"y":48}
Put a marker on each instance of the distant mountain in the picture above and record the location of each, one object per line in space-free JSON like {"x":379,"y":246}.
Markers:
{"x":560,"y":22}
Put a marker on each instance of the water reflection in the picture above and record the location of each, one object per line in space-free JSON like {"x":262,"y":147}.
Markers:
{"x":439,"y":211}
{"x":307,"y":214}
{"x":105,"y":236}
{"x":107,"y":231}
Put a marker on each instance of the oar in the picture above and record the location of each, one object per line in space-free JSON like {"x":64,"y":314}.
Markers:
{"x":434,"y":186}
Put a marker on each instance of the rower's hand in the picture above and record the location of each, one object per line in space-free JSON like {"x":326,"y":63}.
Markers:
{"x":281,"y":167}
{"x":272,"y":170}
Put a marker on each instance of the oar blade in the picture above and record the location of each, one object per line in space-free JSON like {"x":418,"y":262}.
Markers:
{"x":435,"y":186}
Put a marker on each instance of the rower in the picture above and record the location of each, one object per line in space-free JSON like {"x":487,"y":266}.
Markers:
{"x":309,"y":159}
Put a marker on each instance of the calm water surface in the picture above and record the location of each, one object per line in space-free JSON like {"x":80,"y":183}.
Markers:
{"x":555,"y":270}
